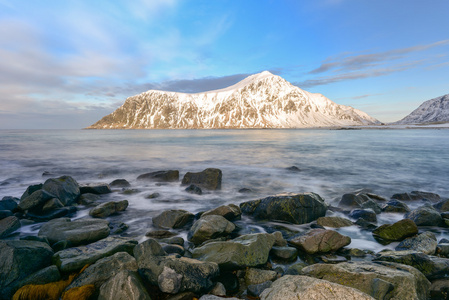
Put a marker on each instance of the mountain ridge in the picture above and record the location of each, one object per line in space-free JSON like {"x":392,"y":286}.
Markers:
{"x":261,"y":100}
{"x":431,"y":111}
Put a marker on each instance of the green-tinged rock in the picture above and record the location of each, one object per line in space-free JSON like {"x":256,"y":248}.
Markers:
{"x":73,"y":259}
{"x":417,"y":195}
{"x":245,"y":251}
{"x":36,"y":200}
{"x":8,"y":225}
{"x":167,"y":176}
{"x":425,"y":242}
{"x":291,"y":208}
{"x":257,"y":276}
{"x":174,"y":218}
{"x":334,"y":222}
{"x":31,"y":189}
{"x":209,"y":227}
{"x":230,"y":212}
{"x":65,"y":188}
{"x":301,"y":287}
{"x":108,"y":208}
{"x":395,"y":206}
{"x":209,"y":179}
{"x":284,"y":253}
{"x":95,"y":188}
{"x":397,"y":231}
{"x":320,"y":241}
{"x":425,"y":216}
{"x":78,"y":232}
{"x":352,"y":200}
{"x":123,"y":286}
{"x":43,"y":276}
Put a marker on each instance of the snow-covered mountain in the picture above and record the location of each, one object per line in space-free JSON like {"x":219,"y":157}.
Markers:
{"x":431,"y":111}
{"x":262,"y":100}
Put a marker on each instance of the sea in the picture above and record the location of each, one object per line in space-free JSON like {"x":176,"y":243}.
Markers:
{"x":331,"y":163}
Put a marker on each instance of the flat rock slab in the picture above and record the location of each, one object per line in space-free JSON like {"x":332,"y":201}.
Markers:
{"x":73,"y":259}
{"x":209,"y":227}
{"x":95,"y":188}
{"x":78,"y":232}
{"x":161,"y":176}
{"x":320,"y":241}
{"x":209,"y":179}
{"x":108,"y":208}
{"x":396,"y":231}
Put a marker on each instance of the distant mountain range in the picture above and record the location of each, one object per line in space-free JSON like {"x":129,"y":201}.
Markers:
{"x":432,"y":111}
{"x":262,"y":100}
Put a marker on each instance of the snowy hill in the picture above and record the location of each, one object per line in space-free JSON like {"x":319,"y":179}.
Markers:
{"x":262,"y":100}
{"x":431,"y":111}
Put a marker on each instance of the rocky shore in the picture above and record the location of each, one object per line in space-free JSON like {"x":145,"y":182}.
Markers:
{"x":93,"y":257}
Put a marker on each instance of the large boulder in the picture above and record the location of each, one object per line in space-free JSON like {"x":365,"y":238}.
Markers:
{"x":291,"y":208}
{"x":291,"y":287}
{"x":249,"y":250}
{"x":8,"y":203}
{"x":381,"y":280}
{"x":209,"y":179}
{"x":395,"y":206}
{"x":108,"y":208}
{"x":334,"y":222}
{"x":425,"y":216}
{"x":36,"y":200}
{"x":31,"y":189}
{"x":320,"y":241}
{"x":352,"y":200}
{"x":209,"y":227}
{"x":65,"y":188}
{"x":167,"y":176}
{"x":431,"y":266}
{"x":104,"y":269}
{"x":397,"y":231}
{"x":425,"y":242}
{"x":95,"y":188}
{"x":417,"y":195}
{"x":231,"y":212}
{"x":78,"y":232}
{"x":8,"y":225}
{"x":365,"y":214}
{"x":173,"y":218}
{"x":124,"y":285}
{"x":18,"y":260}
{"x":171,"y":273}
{"x":73,"y":259}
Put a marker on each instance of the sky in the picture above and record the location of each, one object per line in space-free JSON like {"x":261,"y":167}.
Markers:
{"x":66,"y":64}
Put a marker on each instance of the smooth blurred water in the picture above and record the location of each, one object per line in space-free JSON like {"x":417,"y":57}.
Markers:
{"x":332,"y":163}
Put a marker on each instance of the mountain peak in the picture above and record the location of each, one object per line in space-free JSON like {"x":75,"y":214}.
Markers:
{"x":431,"y":111}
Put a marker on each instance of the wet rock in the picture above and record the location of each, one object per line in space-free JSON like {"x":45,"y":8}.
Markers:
{"x":425,"y":242}
{"x":442,"y":249}
{"x":118,"y":228}
{"x":256,"y":289}
{"x":334,"y":222}
{"x":8,"y":203}
{"x":279,"y":239}
{"x":174,"y":249}
{"x":432,"y":267}
{"x":425,"y":216}
{"x":320,"y":241}
{"x":442,"y":206}
{"x":245,"y":190}
{"x":78,"y":232}
{"x":169,"y":281}
{"x":293,"y":169}
{"x":104,"y":269}
{"x":196,"y":276}
{"x":152,"y":196}
{"x":257,"y":276}
{"x":353,"y":200}
{"x":397,"y":231}
{"x":231,"y":212}
{"x":124,"y":285}
{"x":209,"y":179}
{"x":213,"y":297}
{"x":36,"y":200}
{"x":381,"y":280}
{"x":218,"y":290}
{"x":209,"y":227}
{"x":160,"y":176}
{"x":43,"y":276}
{"x":173,"y":241}
{"x":95,"y":188}
{"x":301,"y":287}
{"x":106,"y":209}
{"x":439,"y":289}
{"x":365,"y":214}
{"x":120,"y":183}
{"x":295,"y":269}
{"x":160,"y":234}
{"x":5,"y":213}
{"x":417,"y":195}
{"x":173,"y":218}
{"x":42,"y":239}
{"x":18,"y":260}
{"x":284,"y":253}
{"x":396,"y":206}
{"x":31,"y":189}
{"x":52,"y":204}
{"x":230,"y":281}
{"x":364,"y":224}
{"x":333,"y":259}
{"x":245,"y":251}
{"x":291,"y":208}
{"x":61,"y":245}
{"x":193,"y":189}
{"x":88,"y":199}
{"x":370,"y":204}
{"x":73,"y":259}
{"x":40,"y":216}
{"x":8,"y":225}
{"x":65,"y":188}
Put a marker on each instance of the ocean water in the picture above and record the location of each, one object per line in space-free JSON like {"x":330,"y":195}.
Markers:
{"x":331,"y":163}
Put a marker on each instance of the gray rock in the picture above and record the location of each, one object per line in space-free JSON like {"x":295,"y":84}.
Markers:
{"x":425,"y":242}
{"x":218,"y":290}
{"x":108,"y":208}
{"x":417,"y":195}
{"x":334,"y":222}
{"x":352,"y":200}
{"x":365,"y":214}
{"x":256,"y":289}
{"x":18,"y":260}
{"x":425,"y":216}
{"x":160,"y":234}
{"x":371,"y":204}
{"x":245,"y":251}
{"x":125,"y":285}
{"x":73,"y":259}
{"x":295,"y":269}
{"x":284,"y":253}
{"x":333,"y":259}
{"x":174,"y":218}
{"x":104,"y":269}
{"x":40,"y":216}
{"x":291,"y":208}
{"x":174,"y":249}
{"x":395,"y":206}
{"x":120,"y":183}
{"x":43,"y":276}
{"x":230,"y":212}
{"x":8,"y":225}
{"x":51,"y":204}
{"x":209,"y":179}
{"x":95,"y":188}
{"x":301,"y":287}
{"x":397,"y":231}
{"x":8,"y":203}
{"x":213,"y":297}
{"x":193,"y":189}
{"x":381,"y":280}
{"x":442,"y":206}
{"x":88,"y":199}
{"x":78,"y":232}
{"x":36,"y":200}
{"x":439,"y":289}
{"x":257,"y":276}
{"x":169,"y":281}
{"x":279,"y":239}
{"x":160,"y":176}
{"x":31,"y":189}
{"x":443,"y":249}
{"x":5,"y":213}
{"x":209,"y":227}
{"x":65,"y":188}
{"x":320,"y":241}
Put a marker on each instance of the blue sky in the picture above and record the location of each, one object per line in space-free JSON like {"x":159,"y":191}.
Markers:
{"x":66,"y":64}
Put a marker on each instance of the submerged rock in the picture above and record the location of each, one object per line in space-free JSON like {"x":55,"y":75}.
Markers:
{"x":320,"y":241}
{"x":106,"y":209}
{"x":209,"y":227}
{"x":397,"y":231}
{"x":193,"y":189}
{"x":160,"y":176}
{"x":209,"y":179}
{"x":95,"y":188}
{"x":123,"y":183}
{"x":174,"y":218}
{"x":365,"y":214}
{"x":292,"y":208}
{"x":425,"y":216}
